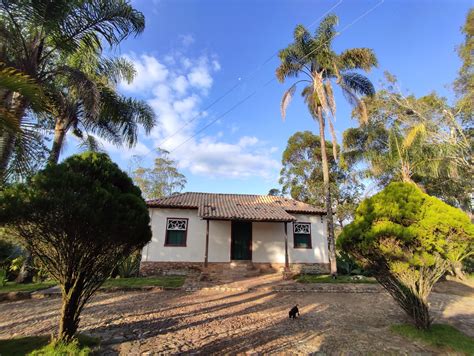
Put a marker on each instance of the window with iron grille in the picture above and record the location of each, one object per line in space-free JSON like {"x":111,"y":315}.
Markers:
{"x":302,"y":235}
{"x":176,"y":231}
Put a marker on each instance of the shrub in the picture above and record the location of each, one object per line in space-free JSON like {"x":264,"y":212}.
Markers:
{"x":79,"y":219}
{"x":130,"y":267}
{"x":3,"y":277}
{"x":346,"y":265}
{"x":408,"y":240}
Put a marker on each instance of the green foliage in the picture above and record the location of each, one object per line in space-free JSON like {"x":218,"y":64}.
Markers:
{"x":79,"y":218}
{"x":163,"y":281}
{"x":130,"y":266}
{"x":326,"y":278}
{"x":408,"y":239}
{"x":42,"y":39}
{"x":163,"y":179}
{"x":445,"y":337}
{"x":26,"y":287}
{"x":42,"y":345}
{"x":464,"y":84}
{"x":301,"y":176}
{"x":62,"y":348}
{"x":413,"y":140}
{"x":346,"y":265}
{"x":3,"y":277}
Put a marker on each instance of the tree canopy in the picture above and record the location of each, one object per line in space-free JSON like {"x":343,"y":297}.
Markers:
{"x":413,"y":139}
{"x":80,"y":219}
{"x":302,"y":178}
{"x":163,"y":179}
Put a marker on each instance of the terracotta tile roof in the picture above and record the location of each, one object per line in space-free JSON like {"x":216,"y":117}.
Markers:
{"x":237,"y":206}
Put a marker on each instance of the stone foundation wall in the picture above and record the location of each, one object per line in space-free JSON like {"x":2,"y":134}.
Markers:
{"x":149,"y":268}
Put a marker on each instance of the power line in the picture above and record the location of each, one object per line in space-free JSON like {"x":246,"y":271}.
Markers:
{"x":267,"y":83}
{"x":238,"y":84}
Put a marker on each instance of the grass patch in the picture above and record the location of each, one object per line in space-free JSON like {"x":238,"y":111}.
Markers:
{"x":326,"y":278}
{"x":25,"y":287}
{"x":441,"y":336}
{"x":40,"y":345}
{"x":162,"y":281}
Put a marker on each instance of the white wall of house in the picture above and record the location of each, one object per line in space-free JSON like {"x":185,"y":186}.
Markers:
{"x":219,"y":241}
{"x":195,"y":240}
{"x":319,"y":243}
{"x":268,"y":240}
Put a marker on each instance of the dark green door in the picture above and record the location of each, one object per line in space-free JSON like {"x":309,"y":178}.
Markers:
{"x":241,"y":241}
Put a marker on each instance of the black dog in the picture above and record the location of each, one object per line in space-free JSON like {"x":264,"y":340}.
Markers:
{"x":292,"y":313}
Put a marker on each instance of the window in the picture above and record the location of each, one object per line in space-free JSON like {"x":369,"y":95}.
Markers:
{"x":302,"y":235}
{"x":176,"y":231}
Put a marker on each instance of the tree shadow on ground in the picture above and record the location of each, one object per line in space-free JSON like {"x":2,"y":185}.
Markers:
{"x":162,"y":325}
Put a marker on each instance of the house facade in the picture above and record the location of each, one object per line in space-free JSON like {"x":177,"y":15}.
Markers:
{"x":204,"y":230}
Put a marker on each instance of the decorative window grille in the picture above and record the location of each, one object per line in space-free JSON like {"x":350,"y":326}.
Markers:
{"x":177,"y":224}
{"x":176,"y":232}
{"x":302,"y":235}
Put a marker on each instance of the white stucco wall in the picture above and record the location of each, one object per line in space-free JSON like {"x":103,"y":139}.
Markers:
{"x":319,"y":243}
{"x":268,"y":240}
{"x":219,"y":241}
{"x":195,"y":240}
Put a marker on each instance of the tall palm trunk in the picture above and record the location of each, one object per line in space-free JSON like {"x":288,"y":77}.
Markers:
{"x":16,"y":105}
{"x":59,"y":134}
{"x":327,"y":192}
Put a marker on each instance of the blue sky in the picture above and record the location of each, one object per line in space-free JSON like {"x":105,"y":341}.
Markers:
{"x":194,"y":52}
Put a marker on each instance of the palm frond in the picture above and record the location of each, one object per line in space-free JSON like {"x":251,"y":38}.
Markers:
{"x":357,"y":58}
{"x":285,"y":101}
{"x":83,"y":87}
{"x":16,"y":81}
{"x":90,"y":143}
{"x":413,"y":133}
{"x":358,"y":83}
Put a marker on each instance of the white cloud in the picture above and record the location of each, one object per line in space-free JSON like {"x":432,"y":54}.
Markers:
{"x":200,"y":75}
{"x":219,"y":159}
{"x":187,"y":40}
{"x":180,"y":84}
{"x":149,"y":72}
{"x":175,"y":87}
{"x":248,"y":141}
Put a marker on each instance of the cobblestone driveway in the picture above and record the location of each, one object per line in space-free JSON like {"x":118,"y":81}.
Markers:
{"x":235,"y":322}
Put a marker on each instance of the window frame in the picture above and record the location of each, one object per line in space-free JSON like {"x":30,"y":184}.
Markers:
{"x":310,"y":245}
{"x":167,"y":244}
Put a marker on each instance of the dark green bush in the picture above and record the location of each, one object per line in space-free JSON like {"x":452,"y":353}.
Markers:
{"x":79,"y":218}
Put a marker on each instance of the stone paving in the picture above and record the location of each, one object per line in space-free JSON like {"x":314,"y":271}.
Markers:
{"x":249,"y":321}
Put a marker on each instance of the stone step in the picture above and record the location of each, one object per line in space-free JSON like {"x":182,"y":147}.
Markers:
{"x":241,"y":265}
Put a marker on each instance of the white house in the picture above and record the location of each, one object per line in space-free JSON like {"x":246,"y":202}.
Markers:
{"x":204,"y":230}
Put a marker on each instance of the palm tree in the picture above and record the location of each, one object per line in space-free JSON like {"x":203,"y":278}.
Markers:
{"x":86,"y":102}
{"x":38,"y":34}
{"x":313,"y":58}
{"x":409,"y":139}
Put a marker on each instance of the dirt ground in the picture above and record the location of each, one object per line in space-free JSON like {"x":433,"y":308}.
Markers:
{"x":233,"y":322}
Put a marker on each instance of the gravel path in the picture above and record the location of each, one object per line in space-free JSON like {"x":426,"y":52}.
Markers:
{"x":236,"y":322}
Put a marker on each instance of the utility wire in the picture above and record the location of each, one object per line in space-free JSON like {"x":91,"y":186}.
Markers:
{"x":236,"y":85}
{"x":270,"y":81}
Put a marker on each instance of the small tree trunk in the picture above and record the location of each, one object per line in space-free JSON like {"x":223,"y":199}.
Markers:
{"x":327,"y":191}
{"x":59,"y":134}
{"x":420,"y":314}
{"x":69,"y":321}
